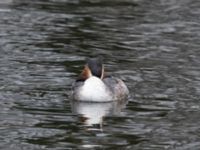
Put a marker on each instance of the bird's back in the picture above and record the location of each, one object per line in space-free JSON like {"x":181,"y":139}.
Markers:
{"x":117,"y":87}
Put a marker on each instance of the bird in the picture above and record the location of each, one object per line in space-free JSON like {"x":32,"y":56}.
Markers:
{"x":93,"y":85}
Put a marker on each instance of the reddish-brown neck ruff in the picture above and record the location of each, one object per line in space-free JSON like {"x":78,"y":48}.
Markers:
{"x":85,"y":74}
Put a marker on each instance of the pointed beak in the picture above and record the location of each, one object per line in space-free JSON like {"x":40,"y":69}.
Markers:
{"x":102,"y":72}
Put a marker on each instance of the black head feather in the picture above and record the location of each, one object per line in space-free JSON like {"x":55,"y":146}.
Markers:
{"x":96,"y":66}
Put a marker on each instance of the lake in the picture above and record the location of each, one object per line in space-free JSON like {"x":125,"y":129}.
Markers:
{"x":152,"y":45}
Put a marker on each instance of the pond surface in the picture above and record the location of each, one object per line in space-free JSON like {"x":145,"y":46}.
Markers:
{"x":153,"y":46}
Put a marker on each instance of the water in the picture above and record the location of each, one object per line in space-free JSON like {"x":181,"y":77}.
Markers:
{"x":152,"y":45}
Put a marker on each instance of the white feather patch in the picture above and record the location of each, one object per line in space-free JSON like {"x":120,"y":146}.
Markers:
{"x":94,"y":90}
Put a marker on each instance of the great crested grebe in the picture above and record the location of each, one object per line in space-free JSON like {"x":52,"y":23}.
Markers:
{"x":93,"y":85}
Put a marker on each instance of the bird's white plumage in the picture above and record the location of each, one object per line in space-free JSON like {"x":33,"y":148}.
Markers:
{"x":94,"y":90}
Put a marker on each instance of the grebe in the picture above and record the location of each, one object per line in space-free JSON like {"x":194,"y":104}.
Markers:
{"x":94,"y":86}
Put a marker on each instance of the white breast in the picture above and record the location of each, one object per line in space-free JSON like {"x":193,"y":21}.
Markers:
{"x":94,"y":90}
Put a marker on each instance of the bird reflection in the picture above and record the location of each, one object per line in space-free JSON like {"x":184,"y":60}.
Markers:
{"x":91,"y":114}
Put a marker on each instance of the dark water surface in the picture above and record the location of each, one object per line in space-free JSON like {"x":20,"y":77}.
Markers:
{"x":153,"y":45}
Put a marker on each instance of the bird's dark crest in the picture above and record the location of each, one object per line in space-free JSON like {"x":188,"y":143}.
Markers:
{"x":96,"y":66}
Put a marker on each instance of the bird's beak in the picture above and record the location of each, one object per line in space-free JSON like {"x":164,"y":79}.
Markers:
{"x":102,"y":72}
